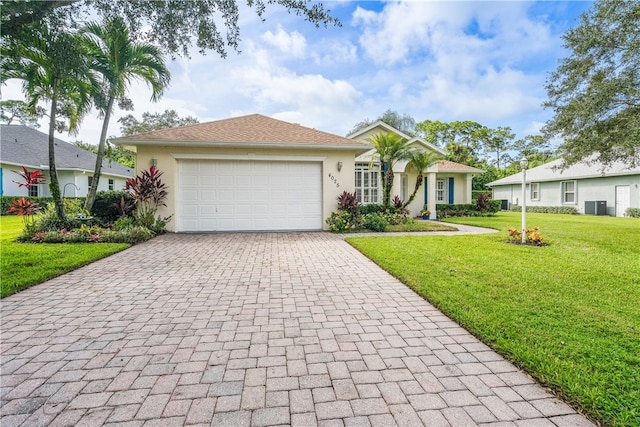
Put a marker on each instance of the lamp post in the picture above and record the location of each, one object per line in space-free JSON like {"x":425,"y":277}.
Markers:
{"x":523,"y":164}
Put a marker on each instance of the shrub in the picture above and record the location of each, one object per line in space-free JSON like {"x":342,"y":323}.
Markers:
{"x":548,"y":209}
{"x":632,"y":212}
{"x":348,"y":202}
{"x":123,"y":223}
{"x":107,"y":205}
{"x":375,"y":222}
{"x":340,"y":221}
{"x":371,"y":208}
{"x":130,"y":235}
{"x":533,"y":236}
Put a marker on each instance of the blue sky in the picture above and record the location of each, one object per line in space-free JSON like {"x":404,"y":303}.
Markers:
{"x":449,"y":60}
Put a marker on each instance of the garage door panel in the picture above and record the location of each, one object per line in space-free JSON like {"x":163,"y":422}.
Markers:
{"x":216,"y":195}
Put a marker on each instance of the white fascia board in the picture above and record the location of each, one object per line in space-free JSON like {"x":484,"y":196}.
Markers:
{"x":175,"y":143}
{"x":249,"y":156}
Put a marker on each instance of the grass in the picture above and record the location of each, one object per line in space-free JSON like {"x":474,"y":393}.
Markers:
{"x":27,"y":264}
{"x":421,"y":226}
{"x":567,"y":313}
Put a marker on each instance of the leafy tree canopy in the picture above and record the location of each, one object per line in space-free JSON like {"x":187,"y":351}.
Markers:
{"x":403,"y":122}
{"x":113,"y":153}
{"x":129,"y":125}
{"x":174,"y":25}
{"x":15,"y":110}
{"x":595,"y":92}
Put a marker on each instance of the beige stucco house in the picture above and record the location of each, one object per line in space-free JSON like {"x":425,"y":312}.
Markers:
{"x":248,"y":173}
{"x":444,"y":183}
{"x":258,"y":173}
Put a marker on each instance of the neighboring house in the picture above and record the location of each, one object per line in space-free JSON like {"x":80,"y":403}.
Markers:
{"x":444,"y":183}
{"x":590,"y":188}
{"x":24,"y":146}
{"x":248,"y":173}
{"x":259,"y":173}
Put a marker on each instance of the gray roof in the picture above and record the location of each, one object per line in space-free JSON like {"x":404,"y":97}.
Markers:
{"x":22,"y":145}
{"x":551,"y":172}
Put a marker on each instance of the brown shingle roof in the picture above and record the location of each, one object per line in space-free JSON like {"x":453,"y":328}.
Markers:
{"x":446,"y":165}
{"x":251,"y":129}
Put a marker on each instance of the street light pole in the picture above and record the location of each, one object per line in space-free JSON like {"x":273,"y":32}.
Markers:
{"x":523,"y":164}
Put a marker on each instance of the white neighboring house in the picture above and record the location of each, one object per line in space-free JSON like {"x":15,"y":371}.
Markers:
{"x":24,"y":146}
{"x":588,"y":187}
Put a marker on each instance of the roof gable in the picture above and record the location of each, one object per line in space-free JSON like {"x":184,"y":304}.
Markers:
{"x":22,"y":145}
{"x":254,"y":129}
{"x":362,"y":134}
{"x":551,"y":172}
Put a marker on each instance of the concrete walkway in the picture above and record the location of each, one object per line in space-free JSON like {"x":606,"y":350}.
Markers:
{"x":250,"y":330}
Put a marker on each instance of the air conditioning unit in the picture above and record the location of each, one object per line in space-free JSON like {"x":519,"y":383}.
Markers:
{"x":595,"y":207}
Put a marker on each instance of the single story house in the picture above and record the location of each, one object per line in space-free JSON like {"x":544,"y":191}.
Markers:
{"x":258,"y":173}
{"x":28,"y":147}
{"x":590,"y":187}
{"x":447,"y":181}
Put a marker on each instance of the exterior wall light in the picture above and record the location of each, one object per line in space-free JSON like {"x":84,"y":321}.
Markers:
{"x":339,"y":166}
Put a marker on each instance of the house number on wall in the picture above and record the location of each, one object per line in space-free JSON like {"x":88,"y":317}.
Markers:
{"x":334,"y":180}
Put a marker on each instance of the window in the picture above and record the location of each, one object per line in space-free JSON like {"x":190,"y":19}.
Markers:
{"x":89,"y":182}
{"x":535,"y":191}
{"x":111,"y":184}
{"x":33,"y":191}
{"x":440,"y":190}
{"x":569,"y":192}
{"x":367,"y":183}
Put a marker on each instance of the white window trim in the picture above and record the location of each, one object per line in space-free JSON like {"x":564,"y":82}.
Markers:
{"x":441,"y":192}
{"x":361,"y":189}
{"x":112,"y":184}
{"x":535,"y":185}
{"x":563,"y":192}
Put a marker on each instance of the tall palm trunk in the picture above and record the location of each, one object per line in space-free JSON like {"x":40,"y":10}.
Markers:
{"x":419,"y":180}
{"x":54,"y":185}
{"x":91,"y":197}
{"x":387,"y":189}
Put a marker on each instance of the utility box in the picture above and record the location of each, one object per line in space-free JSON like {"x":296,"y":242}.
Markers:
{"x":595,"y":207}
{"x":504,"y":205}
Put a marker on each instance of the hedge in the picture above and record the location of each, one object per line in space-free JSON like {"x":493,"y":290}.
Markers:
{"x":447,"y":210}
{"x":632,"y":212}
{"x":5,"y":202}
{"x":548,"y":209}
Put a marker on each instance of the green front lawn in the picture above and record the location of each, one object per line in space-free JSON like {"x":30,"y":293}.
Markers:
{"x":568,"y":313}
{"x":26,"y":264}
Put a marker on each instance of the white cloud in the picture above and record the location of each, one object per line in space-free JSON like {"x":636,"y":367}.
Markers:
{"x":292,"y":43}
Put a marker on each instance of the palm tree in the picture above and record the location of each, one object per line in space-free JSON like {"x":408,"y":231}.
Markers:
{"x":53,"y":70}
{"x":117,"y":60}
{"x":390,"y":149}
{"x":420,"y":161}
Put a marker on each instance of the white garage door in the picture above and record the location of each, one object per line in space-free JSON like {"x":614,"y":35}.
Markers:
{"x":237,"y":195}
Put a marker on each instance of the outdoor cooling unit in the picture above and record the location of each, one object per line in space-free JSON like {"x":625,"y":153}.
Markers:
{"x":595,"y":207}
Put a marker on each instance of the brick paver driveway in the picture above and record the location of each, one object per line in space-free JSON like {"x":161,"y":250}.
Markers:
{"x":250,"y":330}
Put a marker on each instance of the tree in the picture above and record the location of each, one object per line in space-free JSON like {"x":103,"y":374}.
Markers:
{"x":497,"y":142}
{"x":113,"y":153}
{"x":420,"y":161}
{"x":174,"y":25}
{"x":459,"y":153}
{"x":54,"y":70}
{"x":118,"y":61}
{"x":595,"y":92}
{"x":435,"y":132}
{"x":467,"y":133}
{"x":390,"y":149}
{"x":535,"y":148}
{"x":153,"y":121}
{"x":12,"y":109}
{"x":403,"y":122}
